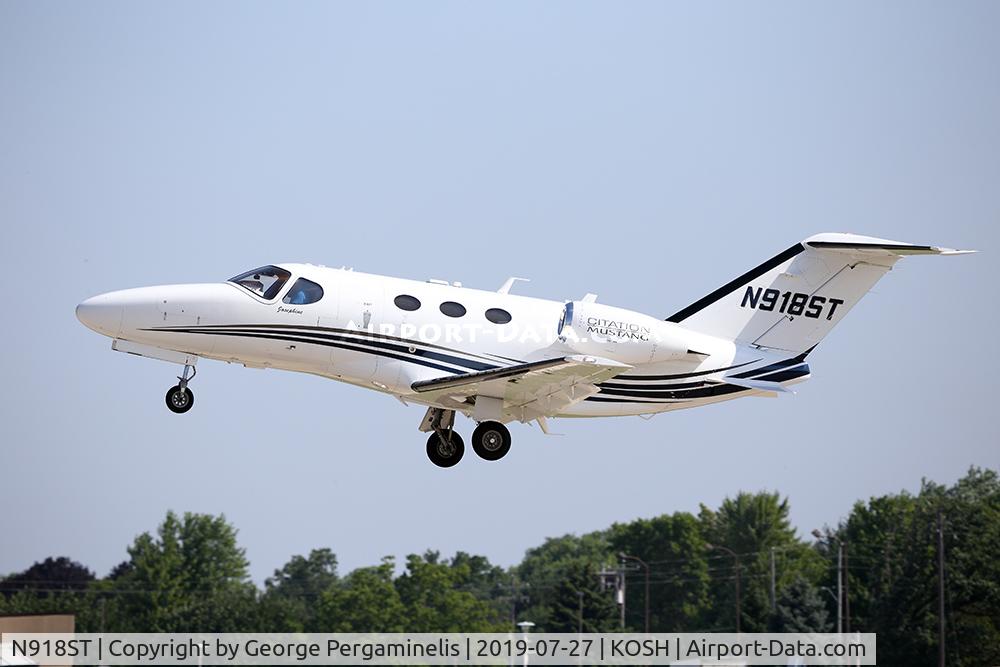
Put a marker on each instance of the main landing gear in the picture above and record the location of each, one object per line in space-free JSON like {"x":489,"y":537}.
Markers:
{"x":179,"y":398}
{"x":445,"y":447}
{"x":491,"y":441}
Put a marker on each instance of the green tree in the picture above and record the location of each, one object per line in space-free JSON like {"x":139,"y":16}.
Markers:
{"x":546,"y":566}
{"x":47,"y":577}
{"x":364,"y":601}
{"x":436,"y":598}
{"x":481,"y":578}
{"x":801,"y":609}
{"x":672,"y":547}
{"x":191,"y":577}
{"x":291,"y":596}
{"x":751,"y":524}
{"x":579,"y":584}
{"x":893,"y":556}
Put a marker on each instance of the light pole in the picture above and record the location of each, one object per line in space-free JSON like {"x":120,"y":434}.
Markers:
{"x":641,"y":562}
{"x":840,"y":577}
{"x":829,"y":591}
{"x":774,"y":597}
{"x":525,"y":629}
{"x":736,"y":558}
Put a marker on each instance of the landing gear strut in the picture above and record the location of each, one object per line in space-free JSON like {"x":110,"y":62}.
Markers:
{"x":179,"y":398}
{"x":445,"y":448}
{"x":491,"y":441}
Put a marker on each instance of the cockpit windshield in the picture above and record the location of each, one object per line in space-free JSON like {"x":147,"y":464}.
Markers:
{"x":265,"y":282}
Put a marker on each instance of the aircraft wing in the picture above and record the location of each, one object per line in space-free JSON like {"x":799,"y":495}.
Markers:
{"x":530,"y":390}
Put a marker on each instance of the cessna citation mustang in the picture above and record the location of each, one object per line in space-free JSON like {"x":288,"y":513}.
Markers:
{"x":497,"y":357}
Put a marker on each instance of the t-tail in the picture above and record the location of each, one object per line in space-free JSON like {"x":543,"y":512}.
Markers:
{"x":793,"y":300}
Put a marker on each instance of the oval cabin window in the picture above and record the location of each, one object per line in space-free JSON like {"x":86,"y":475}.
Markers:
{"x":498,"y":316}
{"x":406,"y":302}
{"x":452,"y":309}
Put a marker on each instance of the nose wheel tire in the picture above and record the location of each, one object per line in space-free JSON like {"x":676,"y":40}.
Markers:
{"x":491,"y":441}
{"x":179,"y":399}
{"x":445,"y":453}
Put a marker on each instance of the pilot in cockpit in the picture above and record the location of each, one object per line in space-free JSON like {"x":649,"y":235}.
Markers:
{"x":253,"y":284}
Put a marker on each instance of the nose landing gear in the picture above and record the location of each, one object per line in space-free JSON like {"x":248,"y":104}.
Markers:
{"x":179,"y":398}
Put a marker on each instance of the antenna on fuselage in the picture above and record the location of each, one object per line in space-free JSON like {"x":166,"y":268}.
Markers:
{"x":505,"y":288}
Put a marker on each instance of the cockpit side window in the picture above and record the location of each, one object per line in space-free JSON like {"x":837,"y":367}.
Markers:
{"x":303,"y":292}
{"x":265,"y":282}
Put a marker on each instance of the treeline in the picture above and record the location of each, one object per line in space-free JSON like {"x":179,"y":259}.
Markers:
{"x":192,"y":575}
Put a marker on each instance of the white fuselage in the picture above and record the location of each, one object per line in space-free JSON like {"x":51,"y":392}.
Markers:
{"x":356,"y":333}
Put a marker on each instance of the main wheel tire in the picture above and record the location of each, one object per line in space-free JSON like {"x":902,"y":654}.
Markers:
{"x":491,"y":441}
{"x":179,"y":400}
{"x":445,"y":454}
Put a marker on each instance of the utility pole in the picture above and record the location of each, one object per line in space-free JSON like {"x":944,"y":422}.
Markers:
{"x":579,"y":620}
{"x":840,"y":576}
{"x":940,"y":545}
{"x":840,"y":587}
{"x":641,"y":562}
{"x":847,"y":590}
{"x":736,"y":558}
{"x":617,"y":576}
{"x":513,"y":601}
{"x":621,"y":594}
{"x":774,"y":603}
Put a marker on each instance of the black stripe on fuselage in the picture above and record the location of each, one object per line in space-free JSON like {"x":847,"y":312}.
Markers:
{"x":660,"y":386}
{"x":468,"y":364}
{"x":349,"y":337}
{"x":679,"y":376}
{"x":691,"y":394}
{"x":752,"y":274}
{"x":353,"y":332}
{"x":676,"y":385}
{"x":329,"y":343}
{"x":788,"y":369}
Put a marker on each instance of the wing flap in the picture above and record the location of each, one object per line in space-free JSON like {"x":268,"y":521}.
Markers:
{"x":531,"y":390}
{"x":477,"y":377}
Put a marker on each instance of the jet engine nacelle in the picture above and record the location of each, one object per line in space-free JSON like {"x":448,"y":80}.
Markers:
{"x":622,"y":335}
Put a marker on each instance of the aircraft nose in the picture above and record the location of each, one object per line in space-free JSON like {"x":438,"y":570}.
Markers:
{"x":101,"y":313}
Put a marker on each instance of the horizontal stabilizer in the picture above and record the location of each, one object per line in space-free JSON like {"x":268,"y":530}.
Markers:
{"x":854,"y":242}
{"x":793,"y":300}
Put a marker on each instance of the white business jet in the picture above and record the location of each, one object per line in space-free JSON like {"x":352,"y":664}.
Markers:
{"x":498,"y":357}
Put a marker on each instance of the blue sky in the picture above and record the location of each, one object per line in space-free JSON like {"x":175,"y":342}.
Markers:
{"x":647,"y":152}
